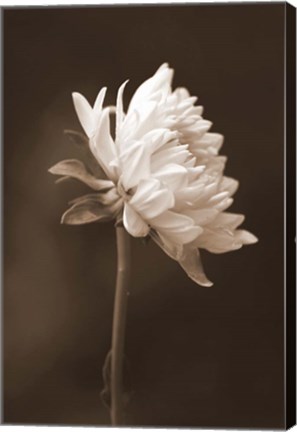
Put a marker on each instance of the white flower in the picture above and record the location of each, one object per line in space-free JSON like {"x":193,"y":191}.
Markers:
{"x":163,"y":173}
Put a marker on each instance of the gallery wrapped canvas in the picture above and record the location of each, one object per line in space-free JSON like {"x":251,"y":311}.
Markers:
{"x":121,"y":304}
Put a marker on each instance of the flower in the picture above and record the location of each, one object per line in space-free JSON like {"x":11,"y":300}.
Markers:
{"x":162,"y":173}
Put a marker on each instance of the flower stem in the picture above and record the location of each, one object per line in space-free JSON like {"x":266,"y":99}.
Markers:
{"x":119,"y":323}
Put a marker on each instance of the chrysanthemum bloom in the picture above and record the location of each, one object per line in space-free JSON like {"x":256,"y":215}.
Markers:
{"x":162,"y":173}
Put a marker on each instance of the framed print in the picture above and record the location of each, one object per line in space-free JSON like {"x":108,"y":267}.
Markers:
{"x":149,"y":191}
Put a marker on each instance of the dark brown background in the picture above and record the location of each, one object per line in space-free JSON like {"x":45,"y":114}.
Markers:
{"x":208,"y":357}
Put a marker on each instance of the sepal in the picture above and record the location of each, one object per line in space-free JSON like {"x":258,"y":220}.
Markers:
{"x":92,"y":208}
{"x":82,"y":143}
{"x":77,"y":170}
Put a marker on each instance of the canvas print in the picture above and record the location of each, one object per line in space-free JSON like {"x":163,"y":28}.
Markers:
{"x":144,"y":216}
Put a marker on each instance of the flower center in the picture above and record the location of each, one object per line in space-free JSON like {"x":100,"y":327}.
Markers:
{"x":121,"y":191}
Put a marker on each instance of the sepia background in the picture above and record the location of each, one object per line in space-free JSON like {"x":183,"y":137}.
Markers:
{"x":208,"y":357}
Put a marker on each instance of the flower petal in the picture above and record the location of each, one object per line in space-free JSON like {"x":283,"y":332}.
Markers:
{"x":174,"y":176}
{"x":202,"y":216}
{"x":150,"y":199}
{"x":102,"y":145}
{"x":190,"y":194}
{"x":187,"y":256}
{"x":228,"y":220}
{"x":160,"y":138}
{"x":218,"y":240}
{"x":159,"y":82}
{"x":218,"y":198}
{"x":135,"y":164}
{"x":99,"y":100}
{"x":211,"y":139}
{"x":126,"y":134}
{"x":223,"y":240}
{"x":84,"y":112}
{"x":119,"y":107}
{"x":224,"y":204}
{"x":147,"y":118}
{"x":191,"y":263}
{"x":133,"y":223}
{"x":176,"y":155}
{"x":195,"y":172}
{"x":173,"y":250}
{"x":229,"y":184}
{"x":245,"y":237}
{"x":176,"y":227}
{"x":202,"y":126}
{"x":183,"y":93}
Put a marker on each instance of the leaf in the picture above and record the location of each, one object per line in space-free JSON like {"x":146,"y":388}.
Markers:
{"x":89,"y":210}
{"x":106,"y":373}
{"x":106,"y":392}
{"x":82,"y":142}
{"x":76,"y":169}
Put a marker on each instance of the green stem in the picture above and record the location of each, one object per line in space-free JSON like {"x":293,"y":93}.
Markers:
{"x":119,"y":324}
